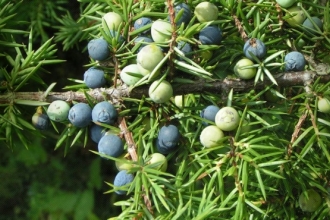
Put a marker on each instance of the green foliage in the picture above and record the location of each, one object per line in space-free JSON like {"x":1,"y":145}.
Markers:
{"x":279,"y":150}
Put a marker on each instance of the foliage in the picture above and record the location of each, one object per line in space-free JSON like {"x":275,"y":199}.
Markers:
{"x":252,"y":174}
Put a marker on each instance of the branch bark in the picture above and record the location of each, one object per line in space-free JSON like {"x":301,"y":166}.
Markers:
{"x":115,"y":95}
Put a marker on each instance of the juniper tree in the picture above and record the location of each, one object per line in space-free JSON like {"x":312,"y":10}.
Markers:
{"x":278,"y":152}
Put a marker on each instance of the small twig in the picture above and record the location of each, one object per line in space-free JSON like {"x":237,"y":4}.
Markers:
{"x":129,"y":138}
{"x":240,"y":28}
{"x":171,"y":13}
{"x":296,"y":133}
{"x":312,"y":118}
{"x":116,"y":71}
{"x":132,"y":152}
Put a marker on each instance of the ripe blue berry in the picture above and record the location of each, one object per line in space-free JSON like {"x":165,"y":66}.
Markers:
{"x":168,"y":138}
{"x":186,"y":15}
{"x":110,"y":145}
{"x":256,"y":47}
{"x":80,"y":115}
{"x":210,"y":35}
{"x":96,"y":132}
{"x":122,"y":178}
{"x":209,"y":113}
{"x":294,"y":61}
{"x":98,"y":49}
{"x":104,"y":112}
{"x":184,"y":47}
{"x":40,"y":121}
{"x":94,"y":78}
{"x":115,"y":34}
{"x":309,"y":27}
{"x":143,"y":40}
{"x":141,"y":22}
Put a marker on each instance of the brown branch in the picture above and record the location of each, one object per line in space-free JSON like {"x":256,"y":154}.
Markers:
{"x":240,"y":28}
{"x":116,"y":95}
{"x":296,"y":133}
{"x":171,"y":13}
{"x":129,"y":138}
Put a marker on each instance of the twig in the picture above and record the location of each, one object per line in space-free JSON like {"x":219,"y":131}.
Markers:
{"x":240,"y":28}
{"x":171,"y":13}
{"x":296,"y":132}
{"x":129,"y":138}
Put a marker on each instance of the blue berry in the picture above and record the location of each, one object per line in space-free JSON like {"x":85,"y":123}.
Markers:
{"x":168,"y":138}
{"x":309,"y":26}
{"x":143,"y":40}
{"x":209,"y":113}
{"x":210,"y":35}
{"x":114,"y":34}
{"x":98,"y":49}
{"x":186,"y":15}
{"x":141,"y":22}
{"x":256,"y":47}
{"x":294,"y":61}
{"x":110,"y":145}
{"x":96,"y":132}
{"x":104,"y":112}
{"x":80,"y":115}
{"x":122,"y":178}
{"x":94,"y":78}
{"x":40,"y":121}
{"x":184,"y":47}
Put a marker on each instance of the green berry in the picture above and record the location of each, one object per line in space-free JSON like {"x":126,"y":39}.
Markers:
{"x":124,"y":164}
{"x":323,"y":105}
{"x":286,"y":3}
{"x":206,"y":11}
{"x":131,"y":74}
{"x":161,"y":31}
{"x":227,"y":119}
{"x":242,"y":71}
{"x":58,"y":111}
{"x":310,"y":200}
{"x":296,"y":16}
{"x":113,"y":20}
{"x":148,"y":58}
{"x":160,"y":159}
{"x":210,"y":136}
{"x":160,"y":92}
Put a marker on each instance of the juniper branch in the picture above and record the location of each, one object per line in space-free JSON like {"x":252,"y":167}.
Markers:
{"x":116,"y":95}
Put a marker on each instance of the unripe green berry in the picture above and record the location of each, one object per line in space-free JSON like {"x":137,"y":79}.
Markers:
{"x":159,"y":159}
{"x":242,"y":72}
{"x":113,"y":20}
{"x":227,"y":119}
{"x":160,"y":92}
{"x":323,"y":105}
{"x":210,"y":136}
{"x":206,"y":11}
{"x":58,"y":110}
{"x":286,"y":3}
{"x":296,"y":16}
{"x":148,"y":58}
{"x":161,"y":31}
{"x":311,"y":202}
{"x":124,"y":164}
{"x":131,"y":74}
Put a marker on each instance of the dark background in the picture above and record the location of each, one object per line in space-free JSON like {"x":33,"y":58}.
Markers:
{"x":43,"y":183}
